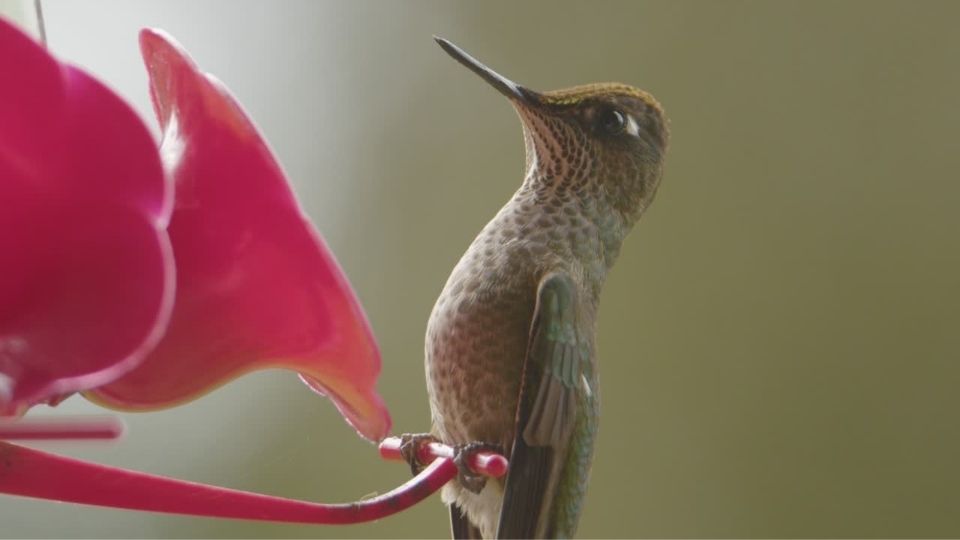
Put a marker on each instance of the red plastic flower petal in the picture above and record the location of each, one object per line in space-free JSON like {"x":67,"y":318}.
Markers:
{"x":86,"y":271}
{"x":257,"y":288}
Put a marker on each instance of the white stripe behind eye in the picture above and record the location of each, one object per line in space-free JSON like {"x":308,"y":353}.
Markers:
{"x":632,"y":127}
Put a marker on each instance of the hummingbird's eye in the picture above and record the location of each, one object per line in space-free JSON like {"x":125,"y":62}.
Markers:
{"x":611,"y":121}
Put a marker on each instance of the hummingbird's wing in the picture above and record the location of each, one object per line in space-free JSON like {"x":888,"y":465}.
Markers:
{"x":553,"y":381}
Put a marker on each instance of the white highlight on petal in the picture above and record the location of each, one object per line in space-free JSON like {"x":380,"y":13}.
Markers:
{"x":6,"y":388}
{"x":10,"y":346}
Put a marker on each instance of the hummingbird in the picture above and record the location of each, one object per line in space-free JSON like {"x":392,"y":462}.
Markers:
{"x":510,"y":354}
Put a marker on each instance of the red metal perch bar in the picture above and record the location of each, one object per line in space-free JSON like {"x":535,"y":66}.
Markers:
{"x":485,"y":463}
{"x":31,"y":473}
{"x":61,"y":429}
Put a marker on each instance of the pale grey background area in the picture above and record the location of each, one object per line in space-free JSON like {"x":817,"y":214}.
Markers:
{"x":779,"y":341}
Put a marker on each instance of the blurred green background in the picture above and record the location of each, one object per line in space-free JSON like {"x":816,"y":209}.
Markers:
{"x":779,"y":340}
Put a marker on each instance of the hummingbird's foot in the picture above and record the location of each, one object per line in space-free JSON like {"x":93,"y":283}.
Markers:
{"x":410,"y":444}
{"x":470,"y":480}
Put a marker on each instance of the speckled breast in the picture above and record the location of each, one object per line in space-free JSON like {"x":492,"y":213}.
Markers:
{"x":477,"y":338}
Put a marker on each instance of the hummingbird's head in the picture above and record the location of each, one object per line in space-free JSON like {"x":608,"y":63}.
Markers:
{"x":602,"y":141}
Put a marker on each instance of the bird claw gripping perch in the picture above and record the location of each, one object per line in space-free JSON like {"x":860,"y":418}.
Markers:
{"x":463,"y":454}
{"x":480,"y":459}
{"x":410,"y":446}
{"x":419,"y":449}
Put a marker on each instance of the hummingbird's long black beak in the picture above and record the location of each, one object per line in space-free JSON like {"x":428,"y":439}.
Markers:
{"x":506,"y":87}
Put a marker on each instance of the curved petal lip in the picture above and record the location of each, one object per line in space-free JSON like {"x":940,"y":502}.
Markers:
{"x":257,"y":286}
{"x":365,"y":411}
